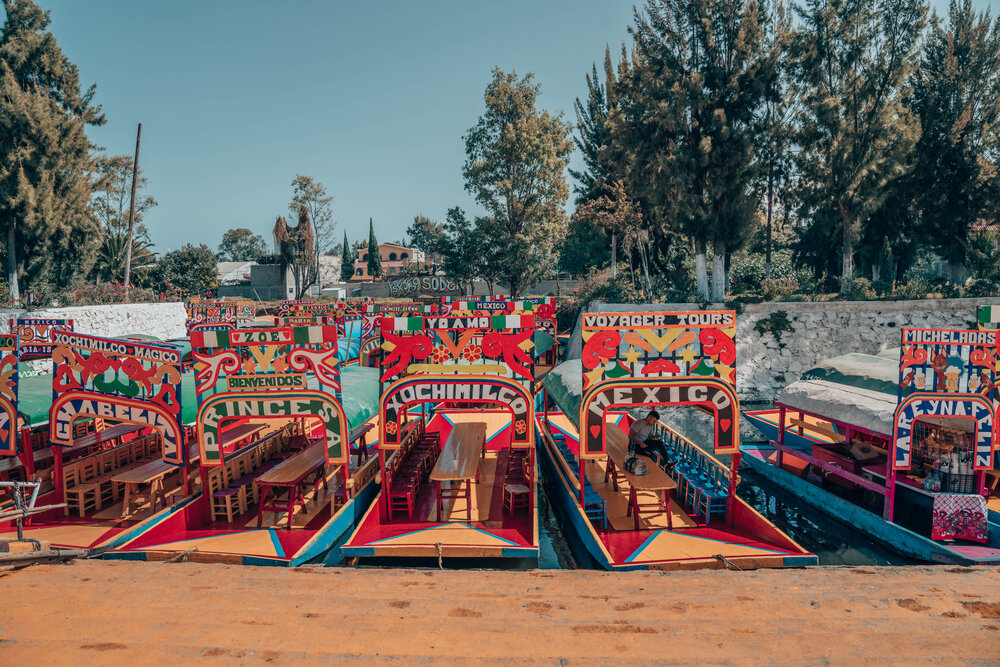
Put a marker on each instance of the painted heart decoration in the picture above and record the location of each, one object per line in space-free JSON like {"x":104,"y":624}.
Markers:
{"x":725,"y":424}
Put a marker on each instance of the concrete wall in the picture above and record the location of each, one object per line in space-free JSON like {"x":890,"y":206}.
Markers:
{"x":163,"y":320}
{"x":820,"y":330}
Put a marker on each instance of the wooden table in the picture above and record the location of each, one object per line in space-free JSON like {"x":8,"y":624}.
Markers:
{"x":359,"y":434}
{"x":101,"y":437}
{"x":291,"y":474}
{"x":151,"y":473}
{"x":238,"y":433}
{"x":459,"y":462}
{"x":655,"y":480}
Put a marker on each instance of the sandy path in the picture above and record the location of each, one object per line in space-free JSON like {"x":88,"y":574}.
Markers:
{"x":154,"y":613}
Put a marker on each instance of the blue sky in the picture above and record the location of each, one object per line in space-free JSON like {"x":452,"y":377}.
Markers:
{"x":372,"y":98}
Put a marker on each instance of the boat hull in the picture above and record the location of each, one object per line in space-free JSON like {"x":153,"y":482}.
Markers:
{"x":891,"y":535}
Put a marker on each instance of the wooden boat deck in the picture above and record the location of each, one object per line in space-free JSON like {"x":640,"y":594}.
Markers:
{"x":491,"y":530}
{"x":691,"y":543}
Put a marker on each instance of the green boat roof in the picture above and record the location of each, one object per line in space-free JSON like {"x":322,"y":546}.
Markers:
{"x":564,"y":383}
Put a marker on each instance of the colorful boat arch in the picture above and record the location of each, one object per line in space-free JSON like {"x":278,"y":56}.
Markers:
{"x":273,"y":404}
{"x":715,"y":395}
{"x":435,"y":388}
{"x":72,"y":405}
{"x":8,"y":394}
{"x":929,"y":404}
{"x":118,"y":379}
{"x":267,"y":372}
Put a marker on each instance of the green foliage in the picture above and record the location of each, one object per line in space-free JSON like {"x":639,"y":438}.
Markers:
{"x":860,"y":289}
{"x":956,"y":95}
{"x":101,"y":293}
{"x":776,"y":324}
{"x":308,"y":192}
{"x":241,"y":245}
{"x":468,"y":250}
{"x":748,"y":271}
{"x":516,"y":156}
{"x":191,"y":269}
{"x":702,"y":71}
{"x":426,"y":235}
{"x":374,"y":254}
{"x":347,"y":259}
{"x":852,"y":60}
{"x":47,"y":164}
{"x":111,"y":199}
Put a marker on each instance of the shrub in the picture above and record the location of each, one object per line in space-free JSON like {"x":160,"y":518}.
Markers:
{"x":859,"y":290}
{"x":776,"y":324}
{"x":779,"y":289}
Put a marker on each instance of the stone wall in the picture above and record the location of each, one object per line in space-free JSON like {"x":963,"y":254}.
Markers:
{"x":819,"y":330}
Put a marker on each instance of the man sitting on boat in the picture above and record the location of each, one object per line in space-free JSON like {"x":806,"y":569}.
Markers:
{"x":642,"y":440}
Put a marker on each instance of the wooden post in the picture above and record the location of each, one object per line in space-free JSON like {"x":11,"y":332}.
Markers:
{"x":583,"y":479}
{"x":57,"y":475}
{"x":26,"y":453}
{"x":781,"y":436}
{"x":890,"y":483}
{"x":734,"y":466}
{"x":131,"y":209}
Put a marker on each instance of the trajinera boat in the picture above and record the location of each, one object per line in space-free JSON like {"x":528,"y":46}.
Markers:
{"x":277,"y":419}
{"x":688,"y":515}
{"x":899,"y":445}
{"x":456,"y":447}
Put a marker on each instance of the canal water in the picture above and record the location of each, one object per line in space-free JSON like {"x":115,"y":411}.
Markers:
{"x":833,"y":542}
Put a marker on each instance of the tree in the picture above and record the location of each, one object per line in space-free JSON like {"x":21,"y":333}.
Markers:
{"x":701,"y":73}
{"x":47,"y":162}
{"x":241,"y":245}
{"x":852,"y":59}
{"x":956,"y":95}
{"x":374,"y":256}
{"x":602,"y":165}
{"x":775,"y":126}
{"x":620,"y":217}
{"x":516,"y":158}
{"x":347,"y":259}
{"x":426,"y":234}
{"x":110,"y":202}
{"x":192,"y":269}
{"x":297,"y":251}
{"x":468,"y":250}
{"x":308,"y":192}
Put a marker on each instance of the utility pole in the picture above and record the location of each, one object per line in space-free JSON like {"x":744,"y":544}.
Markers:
{"x":131,"y":210}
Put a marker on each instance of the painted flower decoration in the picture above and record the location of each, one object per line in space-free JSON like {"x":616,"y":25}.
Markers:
{"x":520,"y":427}
{"x":473,"y":353}
{"x":440,"y":355}
{"x":391,"y":428}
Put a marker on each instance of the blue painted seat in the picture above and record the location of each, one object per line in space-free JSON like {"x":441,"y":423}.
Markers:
{"x":594,"y":505}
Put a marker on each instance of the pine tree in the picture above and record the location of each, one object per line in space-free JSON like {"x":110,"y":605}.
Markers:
{"x":852,"y":60}
{"x":701,"y":74}
{"x":374,"y":258}
{"x":346,"y":261}
{"x":47,"y":162}
{"x":956,"y":95}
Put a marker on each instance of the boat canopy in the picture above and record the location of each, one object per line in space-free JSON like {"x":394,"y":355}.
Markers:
{"x":564,"y":383}
{"x":870,"y":410}
{"x":863,"y":371}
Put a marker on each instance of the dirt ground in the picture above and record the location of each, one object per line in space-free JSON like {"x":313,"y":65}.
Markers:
{"x":93,"y":612}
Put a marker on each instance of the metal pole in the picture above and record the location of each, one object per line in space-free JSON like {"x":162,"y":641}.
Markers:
{"x":131,"y":209}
